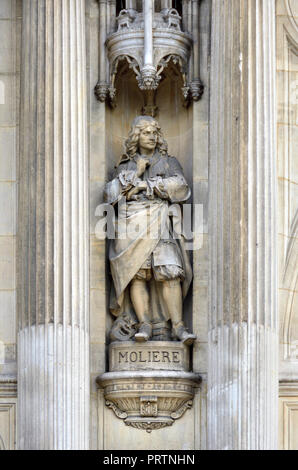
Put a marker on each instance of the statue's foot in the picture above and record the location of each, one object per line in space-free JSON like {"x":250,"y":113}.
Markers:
{"x":188,"y":338}
{"x":184,"y":336}
{"x":144,"y":333}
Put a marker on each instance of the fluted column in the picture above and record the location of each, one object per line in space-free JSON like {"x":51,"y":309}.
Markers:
{"x":53,"y":345}
{"x":242,"y":370}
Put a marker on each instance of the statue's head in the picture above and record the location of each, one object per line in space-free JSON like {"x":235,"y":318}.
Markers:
{"x":141,"y":126}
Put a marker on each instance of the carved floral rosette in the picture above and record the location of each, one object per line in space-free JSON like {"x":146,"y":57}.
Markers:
{"x":149,"y":400}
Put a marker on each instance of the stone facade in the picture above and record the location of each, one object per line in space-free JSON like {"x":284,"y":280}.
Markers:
{"x":10,"y":27}
{"x":287,"y":132}
{"x":237,"y":145}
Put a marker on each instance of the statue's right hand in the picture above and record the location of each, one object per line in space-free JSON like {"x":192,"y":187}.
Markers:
{"x":142,"y":163}
{"x":141,"y":186}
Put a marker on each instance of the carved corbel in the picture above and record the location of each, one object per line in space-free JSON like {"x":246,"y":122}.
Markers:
{"x":101,"y":91}
{"x":196,"y":89}
{"x":145,"y":398}
{"x":149,"y":78}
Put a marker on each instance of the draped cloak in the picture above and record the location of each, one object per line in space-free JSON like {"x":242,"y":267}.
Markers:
{"x":144,"y":228}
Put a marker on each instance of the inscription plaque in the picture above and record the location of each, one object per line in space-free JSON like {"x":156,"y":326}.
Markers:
{"x":155,"y":355}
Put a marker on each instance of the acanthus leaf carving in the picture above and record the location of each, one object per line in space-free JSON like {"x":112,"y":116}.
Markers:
{"x":119,"y":413}
{"x":149,"y":400}
{"x":178,"y":413}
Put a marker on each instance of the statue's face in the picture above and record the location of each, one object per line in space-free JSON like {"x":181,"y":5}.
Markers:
{"x":148,"y":138}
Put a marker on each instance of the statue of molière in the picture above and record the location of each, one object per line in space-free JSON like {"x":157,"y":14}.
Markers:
{"x":149,"y":265}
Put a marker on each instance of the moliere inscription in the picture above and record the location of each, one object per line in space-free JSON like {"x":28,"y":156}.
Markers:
{"x":154,"y":355}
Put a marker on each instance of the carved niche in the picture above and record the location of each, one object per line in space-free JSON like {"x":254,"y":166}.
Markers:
{"x":149,"y":384}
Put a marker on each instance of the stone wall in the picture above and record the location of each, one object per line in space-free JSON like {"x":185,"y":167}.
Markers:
{"x":188,"y":138}
{"x":10,"y":25}
{"x":10,"y":12}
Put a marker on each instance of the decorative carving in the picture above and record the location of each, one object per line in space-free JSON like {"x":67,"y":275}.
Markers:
{"x":149,"y":400}
{"x":178,"y":413}
{"x":149,"y":78}
{"x":132,"y":63}
{"x":148,"y":406}
{"x":123,"y":329}
{"x":101,"y":91}
{"x":117,"y":411}
{"x":149,"y":425}
{"x":197,"y":89}
{"x":162,"y":42}
{"x":126,"y":18}
{"x":172,"y":18}
{"x":146,"y":387}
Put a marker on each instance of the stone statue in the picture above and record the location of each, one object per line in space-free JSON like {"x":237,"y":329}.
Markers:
{"x":150,"y":268}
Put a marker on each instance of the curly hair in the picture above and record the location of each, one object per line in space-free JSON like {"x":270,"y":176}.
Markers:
{"x":139,"y":124}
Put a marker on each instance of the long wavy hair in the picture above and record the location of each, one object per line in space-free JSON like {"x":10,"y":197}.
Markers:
{"x":131,"y":144}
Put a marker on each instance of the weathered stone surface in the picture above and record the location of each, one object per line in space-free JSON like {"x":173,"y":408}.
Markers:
{"x":8,"y":402}
{"x":53,"y":268}
{"x":234,"y":344}
{"x":7,"y":263}
{"x":7,"y":316}
{"x":287,"y":189}
{"x":149,"y":400}
{"x":242,"y":363}
{"x":152,"y":355}
{"x":287,"y":100}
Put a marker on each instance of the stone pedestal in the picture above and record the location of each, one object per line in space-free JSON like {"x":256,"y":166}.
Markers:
{"x":149,"y":385}
{"x":154,"y":355}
